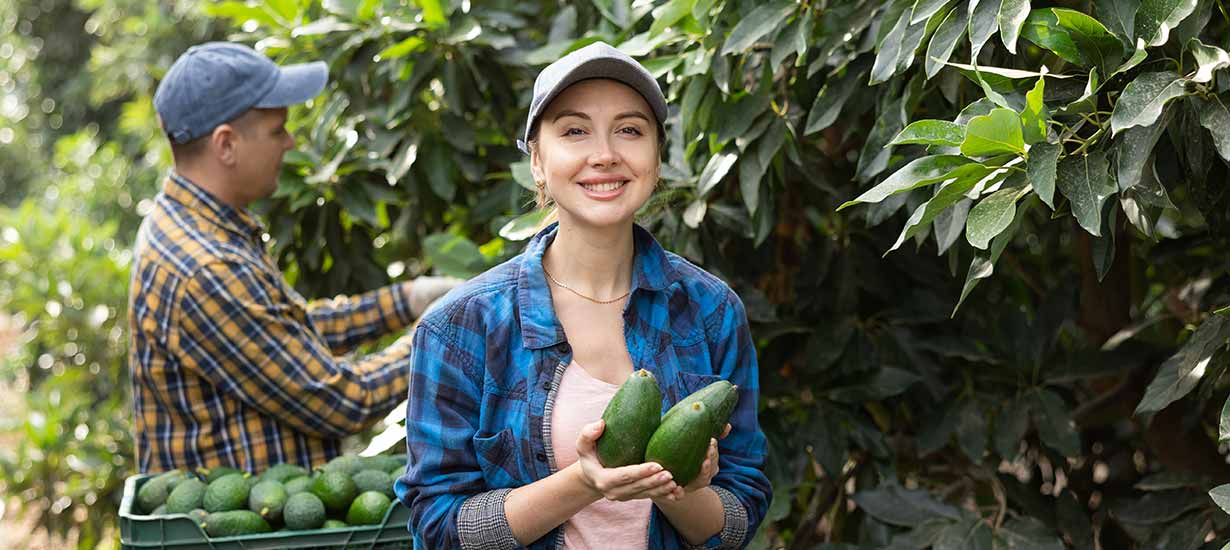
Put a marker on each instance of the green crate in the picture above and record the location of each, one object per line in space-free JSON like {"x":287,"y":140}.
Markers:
{"x":179,"y":532}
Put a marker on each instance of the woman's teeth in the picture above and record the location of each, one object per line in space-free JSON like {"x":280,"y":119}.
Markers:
{"x":604,"y":187}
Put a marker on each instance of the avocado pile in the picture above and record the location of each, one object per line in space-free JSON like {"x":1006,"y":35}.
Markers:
{"x":348,"y":491}
{"x":678,"y":440}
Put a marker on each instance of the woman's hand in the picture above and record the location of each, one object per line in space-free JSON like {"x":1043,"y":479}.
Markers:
{"x":708,"y":469}
{"x":632,"y":482}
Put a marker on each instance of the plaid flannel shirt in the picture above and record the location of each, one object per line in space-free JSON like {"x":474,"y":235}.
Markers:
{"x":229,"y":365}
{"x":486,"y":364}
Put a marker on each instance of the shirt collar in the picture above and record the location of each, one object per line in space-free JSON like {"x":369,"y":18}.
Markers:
{"x":201,"y":202}
{"x":651,"y":271}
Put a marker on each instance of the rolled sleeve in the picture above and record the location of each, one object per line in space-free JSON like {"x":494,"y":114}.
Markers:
{"x":482,"y":524}
{"x":734,"y":530}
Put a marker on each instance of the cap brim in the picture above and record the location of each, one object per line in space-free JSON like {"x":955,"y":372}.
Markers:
{"x":296,"y":84}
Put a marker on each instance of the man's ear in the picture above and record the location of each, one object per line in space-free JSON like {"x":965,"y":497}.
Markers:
{"x":223,"y":146}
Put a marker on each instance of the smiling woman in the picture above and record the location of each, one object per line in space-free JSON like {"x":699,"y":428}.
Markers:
{"x":519,"y":363}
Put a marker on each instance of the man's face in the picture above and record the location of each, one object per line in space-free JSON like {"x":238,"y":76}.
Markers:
{"x":262,"y":139}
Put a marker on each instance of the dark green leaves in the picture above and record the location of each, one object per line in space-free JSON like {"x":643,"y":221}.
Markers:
{"x":454,"y":255}
{"x":1215,"y":117}
{"x":896,"y":505}
{"x":714,"y":171}
{"x":1180,"y":374}
{"x":757,"y":24}
{"x":1041,"y":170}
{"x":982,"y":16}
{"x":945,"y":39}
{"x":931,"y":132}
{"x":992,"y":215}
{"x":918,"y":173}
{"x":1221,"y":497}
{"x":1143,"y":99}
{"x":1208,"y":59}
{"x":1156,"y":18}
{"x":1012,"y":14}
{"x":1072,"y":35}
{"x":833,"y":96}
{"x":1085,"y":181}
{"x":994,"y":133}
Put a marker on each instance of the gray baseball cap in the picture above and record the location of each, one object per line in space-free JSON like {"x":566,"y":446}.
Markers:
{"x":597,"y":60}
{"x":214,"y":83}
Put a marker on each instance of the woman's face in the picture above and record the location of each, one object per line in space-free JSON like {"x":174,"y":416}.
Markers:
{"x":597,"y":152}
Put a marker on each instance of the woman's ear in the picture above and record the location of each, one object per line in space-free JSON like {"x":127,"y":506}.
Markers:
{"x":536,"y":164}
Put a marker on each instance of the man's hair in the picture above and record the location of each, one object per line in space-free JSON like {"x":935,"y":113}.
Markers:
{"x":185,"y":152}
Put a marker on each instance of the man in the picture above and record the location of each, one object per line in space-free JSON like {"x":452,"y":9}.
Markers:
{"x":230,"y":366}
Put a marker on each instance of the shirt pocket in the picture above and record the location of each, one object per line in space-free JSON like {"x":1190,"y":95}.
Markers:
{"x":498,"y":458}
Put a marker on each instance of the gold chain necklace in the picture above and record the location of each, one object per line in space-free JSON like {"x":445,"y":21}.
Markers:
{"x":574,"y":291}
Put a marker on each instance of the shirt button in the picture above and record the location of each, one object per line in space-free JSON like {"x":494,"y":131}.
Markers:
{"x":565,"y":348}
{"x":546,"y":385}
{"x":542,"y":457}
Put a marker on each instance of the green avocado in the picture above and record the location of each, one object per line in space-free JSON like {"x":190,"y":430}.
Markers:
{"x":235,"y":522}
{"x":368,"y":509}
{"x":682,"y":441}
{"x":303,"y":511}
{"x":335,"y":489}
{"x":227,"y":493}
{"x":267,"y":499}
{"x":188,"y":495}
{"x":720,"y":398}
{"x":631,"y":417}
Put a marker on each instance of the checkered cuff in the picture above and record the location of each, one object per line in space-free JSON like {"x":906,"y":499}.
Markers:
{"x":734,"y":531}
{"x":482,"y":525}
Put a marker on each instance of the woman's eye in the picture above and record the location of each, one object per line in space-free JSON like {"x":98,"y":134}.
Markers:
{"x":573,"y":132}
{"x":631,"y":130}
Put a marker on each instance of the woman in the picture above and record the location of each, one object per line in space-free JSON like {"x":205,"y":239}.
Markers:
{"x":511,"y":372}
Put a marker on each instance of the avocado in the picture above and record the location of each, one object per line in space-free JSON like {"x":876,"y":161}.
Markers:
{"x":161,"y":510}
{"x":720,"y":398}
{"x":347,"y":464}
{"x":374,"y":480}
{"x":188,"y":495}
{"x":631,"y":417}
{"x":229,"y":492}
{"x":335,"y":489}
{"x":267,"y":499}
{"x":303,"y":511}
{"x":211,"y":475}
{"x":382,"y":462}
{"x":682,"y":441}
{"x":235,"y":522}
{"x":282,"y":473}
{"x":198,"y":516}
{"x":153,"y":493}
{"x":334,"y":524}
{"x":368,"y":509}
{"x":297,"y":485}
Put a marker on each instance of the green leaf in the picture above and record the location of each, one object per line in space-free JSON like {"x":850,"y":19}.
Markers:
{"x":1137,"y":56}
{"x":433,"y":13}
{"x":714,"y":171}
{"x":324,"y":25}
{"x":240,"y":13}
{"x":1208,"y":59}
{"x":1103,"y":248}
{"x":670,"y":13}
{"x":287,"y":10}
{"x":1085,"y":181}
{"x":401,"y":49}
{"x":1143,"y":99}
{"x":982,"y":15}
{"x":1072,"y":35}
{"x":1040,"y":170}
{"x":757,"y":24}
{"x":793,"y":39}
{"x":945,"y":39}
{"x":834,"y":94}
{"x":968,"y":534}
{"x":919,"y":172}
{"x":357,"y":203}
{"x":1119,"y":17}
{"x":402,"y":162}
{"x":524,"y":226}
{"x":924,"y":9}
{"x":695,"y":213}
{"x":896,"y":505}
{"x":1215,"y":117}
{"x":994,"y":133}
{"x":1180,"y":373}
{"x":1221,"y":497}
{"x":1026,"y":533}
{"x":931,"y":132}
{"x":972,"y":430}
{"x":1223,"y":431}
{"x":963,"y":180}
{"x":992,"y":215}
{"x":1035,"y":115}
{"x":1042,"y":28}
{"x":1054,"y":421}
{"x":1010,"y":74}
{"x":454,"y":255}
{"x":1156,"y":18}
{"x":1012,"y":14}
{"x":892,"y":49}
{"x":523,"y":175}
{"x":1010,"y":427}
{"x":1134,"y":149}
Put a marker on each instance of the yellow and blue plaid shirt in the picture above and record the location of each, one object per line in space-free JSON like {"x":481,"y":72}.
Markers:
{"x":229,"y":365}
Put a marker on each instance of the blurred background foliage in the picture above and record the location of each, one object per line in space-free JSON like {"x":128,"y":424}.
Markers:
{"x":1073,"y":399}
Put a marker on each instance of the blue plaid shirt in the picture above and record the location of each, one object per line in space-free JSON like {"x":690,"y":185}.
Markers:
{"x":486,"y":363}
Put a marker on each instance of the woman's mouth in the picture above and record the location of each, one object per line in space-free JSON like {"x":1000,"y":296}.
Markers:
{"x":604,"y":190}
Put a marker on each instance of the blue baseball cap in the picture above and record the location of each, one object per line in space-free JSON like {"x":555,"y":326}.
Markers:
{"x":214,"y":83}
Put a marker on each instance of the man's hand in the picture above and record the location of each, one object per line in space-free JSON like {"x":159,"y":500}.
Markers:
{"x":425,"y":290}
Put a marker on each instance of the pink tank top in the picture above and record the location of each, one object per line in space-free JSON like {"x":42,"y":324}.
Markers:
{"x":580,"y":400}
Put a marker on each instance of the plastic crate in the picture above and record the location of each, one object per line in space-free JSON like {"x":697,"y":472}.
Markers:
{"x":179,"y":532}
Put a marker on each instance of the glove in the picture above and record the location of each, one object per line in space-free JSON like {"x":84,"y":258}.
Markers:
{"x":425,"y":290}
